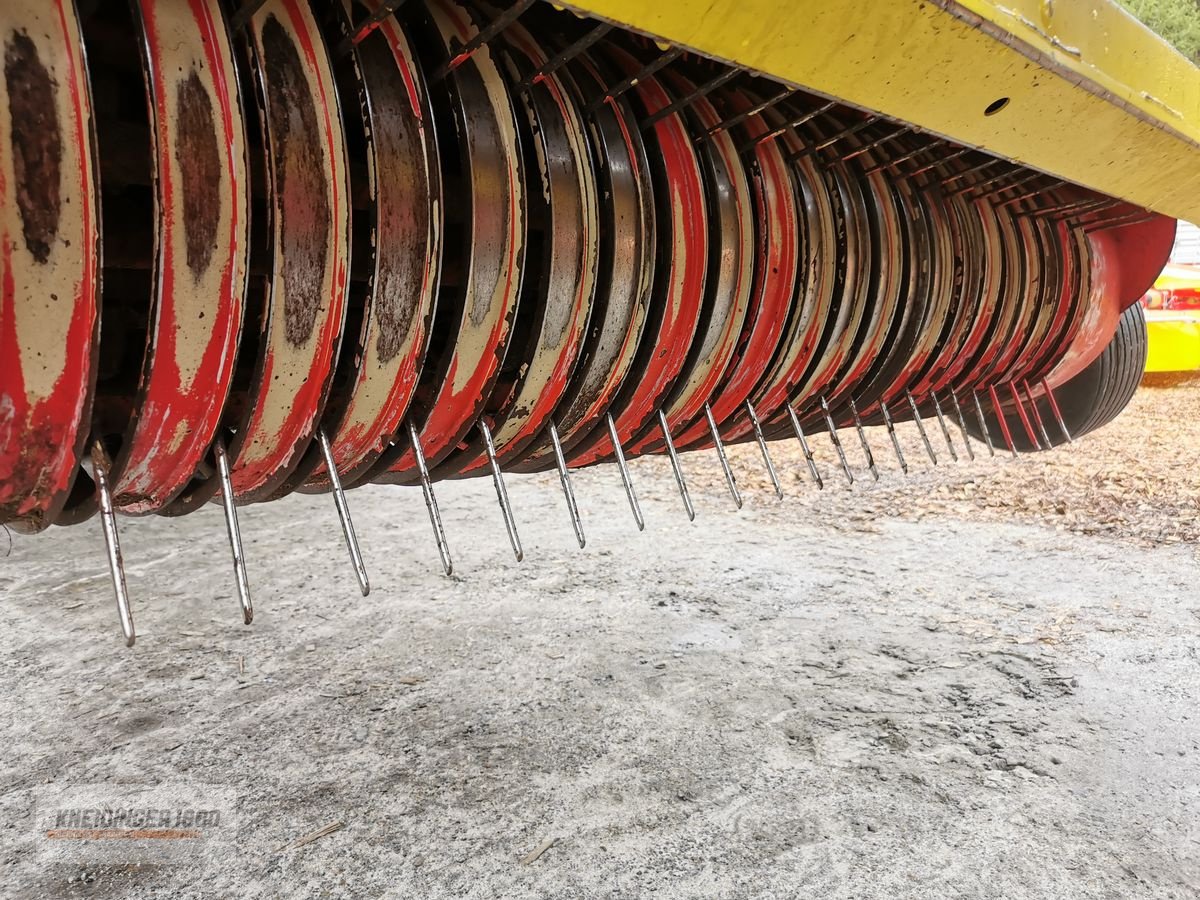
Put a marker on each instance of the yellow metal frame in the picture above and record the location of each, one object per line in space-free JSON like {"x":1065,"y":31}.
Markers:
{"x":1093,"y":96}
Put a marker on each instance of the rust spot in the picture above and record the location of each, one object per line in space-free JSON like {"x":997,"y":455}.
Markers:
{"x":199,"y":161}
{"x":301,"y":186}
{"x":37,"y":143}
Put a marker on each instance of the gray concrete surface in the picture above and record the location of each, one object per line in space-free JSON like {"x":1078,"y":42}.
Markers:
{"x":779,"y":702}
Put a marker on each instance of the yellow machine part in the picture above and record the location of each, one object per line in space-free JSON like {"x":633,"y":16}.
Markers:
{"x":1079,"y":90}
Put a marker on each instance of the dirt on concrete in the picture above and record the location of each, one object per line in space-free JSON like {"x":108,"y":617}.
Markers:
{"x":977,"y":681}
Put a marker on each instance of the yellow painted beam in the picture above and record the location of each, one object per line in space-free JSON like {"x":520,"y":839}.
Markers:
{"x":1093,"y":96}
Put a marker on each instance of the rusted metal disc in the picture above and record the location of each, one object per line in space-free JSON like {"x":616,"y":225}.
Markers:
{"x":559,"y":286}
{"x":201,"y":251}
{"x":483,"y":268}
{"x":49,"y":259}
{"x":393,"y":293}
{"x":680,"y":277}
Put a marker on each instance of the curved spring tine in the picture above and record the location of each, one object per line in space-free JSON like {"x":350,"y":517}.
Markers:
{"x":633,"y":501}
{"x":730,"y":480}
{"x":343,"y":510}
{"x":1024,"y":416}
{"x":912,"y":404}
{"x":112,"y":543}
{"x":812,"y":466}
{"x":501,"y":492}
{"x":235,"y":533}
{"x":1057,"y":412}
{"x":862,"y":437}
{"x":962,"y":425}
{"x":987,"y":435}
{"x":1008,"y":441}
{"x":937,"y":408}
{"x":1037,"y":416}
{"x":837,"y":443}
{"x":676,"y":468}
{"x":435,"y":515}
{"x":762,"y":445}
{"x":564,"y":478}
{"x":891,"y":427}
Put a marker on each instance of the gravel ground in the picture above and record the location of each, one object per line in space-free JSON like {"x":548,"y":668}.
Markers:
{"x":977,"y":681}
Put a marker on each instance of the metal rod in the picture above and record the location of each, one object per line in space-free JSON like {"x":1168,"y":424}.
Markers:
{"x":343,"y":511}
{"x":830,"y":141}
{"x":962,"y":425}
{"x":1000,"y":417}
{"x":987,"y":435}
{"x":887,"y":136}
{"x":762,"y":445}
{"x":837,"y":442}
{"x":564,"y":478}
{"x":937,"y":408}
{"x":892,"y":163}
{"x":235,"y":533}
{"x":862,"y":437}
{"x":360,"y":31}
{"x":112,"y":543}
{"x":489,"y":31}
{"x":812,"y":466}
{"x":793,"y":123}
{"x":556,"y":62}
{"x":1024,"y":179}
{"x":730,"y":480}
{"x":1057,"y":412}
{"x":1025,"y":423}
{"x":659,"y":62}
{"x":625,"y":478}
{"x":726,"y":124}
{"x":510,"y":524}
{"x":676,"y":467}
{"x":688,"y":99}
{"x":973,"y":170}
{"x":1037,"y":415}
{"x":891,"y":427}
{"x":941,"y":161}
{"x":435,"y":515}
{"x":912,"y":404}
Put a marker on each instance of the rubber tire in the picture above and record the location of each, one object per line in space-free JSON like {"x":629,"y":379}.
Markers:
{"x":1090,"y":400}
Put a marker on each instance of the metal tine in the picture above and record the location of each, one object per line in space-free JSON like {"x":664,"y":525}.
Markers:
{"x":556,"y":62}
{"x":862,"y":437}
{"x":726,"y":124}
{"x":1029,"y":195}
{"x":628,"y":481}
{"x":244,"y":14}
{"x":962,"y":425}
{"x":762,"y":445}
{"x":973,"y":170}
{"x":489,"y":31}
{"x":830,"y":141}
{"x":235,"y":533}
{"x":888,"y":136}
{"x":564,"y":477}
{"x":1062,"y":425}
{"x":987,"y":435}
{"x":359,"y":32}
{"x":435,"y":515}
{"x":343,"y":511}
{"x":688,"y":99}
{"x":1023,"y":180}
{"x":676,"y":467}
{"x":732,"y":482}
{"x":1004,"y":430}
{"x":941,"y":161}
{"x":812,"y":466}
{"x":793,"y":123}
{"x":501,"y":492}
{"x":1120,"y":221}
{"x":1037,"y":415}
{"x":1075,"y":207}
{"x":891,"y":427}
{"x":1023,"y":416}
{"x":108,"y":522}
{"x":983,"y":186}
{"x":912,"y":404}
{"x":917,"y":151}
{"x":837,"y":442}
{"x":937,"y":408}
{"x":659,"y":62}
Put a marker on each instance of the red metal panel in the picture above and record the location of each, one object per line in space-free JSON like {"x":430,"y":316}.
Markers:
{"x":49,"y":265}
